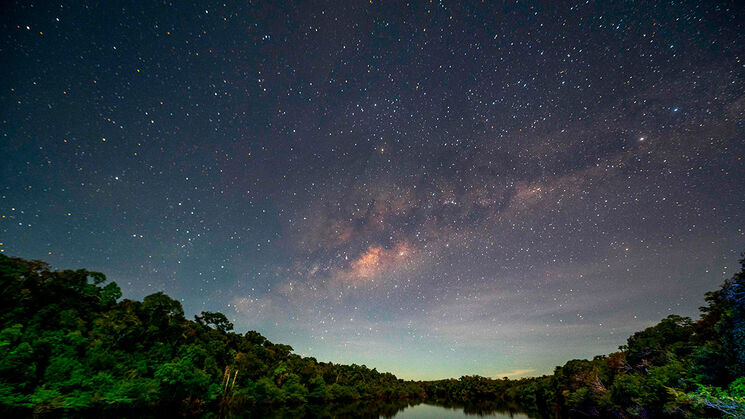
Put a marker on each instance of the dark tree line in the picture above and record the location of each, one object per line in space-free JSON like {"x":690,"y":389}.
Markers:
{"x":69,"y":341}
{"x":677,"y":368}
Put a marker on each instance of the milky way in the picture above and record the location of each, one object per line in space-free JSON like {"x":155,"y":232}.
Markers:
{"x":432,"y":189}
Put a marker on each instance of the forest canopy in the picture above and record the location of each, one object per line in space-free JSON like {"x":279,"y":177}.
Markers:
{"x":69,"y":341}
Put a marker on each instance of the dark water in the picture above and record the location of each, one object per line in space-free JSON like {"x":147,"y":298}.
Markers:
{"x":434,"y":411}
{"x":382,"y":409}
{"x":403,"y":409}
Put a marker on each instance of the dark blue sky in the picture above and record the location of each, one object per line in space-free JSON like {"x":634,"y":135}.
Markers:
{"x":432,"y":189}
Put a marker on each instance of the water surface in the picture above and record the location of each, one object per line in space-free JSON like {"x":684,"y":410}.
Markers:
{"x":434,"y":411}
{"x":402,"y":409}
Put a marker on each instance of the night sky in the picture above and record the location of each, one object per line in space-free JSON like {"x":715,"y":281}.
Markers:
{"x":433,"y":189}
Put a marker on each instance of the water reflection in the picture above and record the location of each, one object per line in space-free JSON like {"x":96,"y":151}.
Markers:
{"x":426,"y":410}
{"x":356,"y":409}
{"x":483,"y":408}
{"x":402,"y":409}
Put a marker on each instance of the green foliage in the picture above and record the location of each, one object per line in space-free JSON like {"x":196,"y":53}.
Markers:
{"x":675,"y":368}
{"x":729,"y":402}
{"x":317,"y":389}
{"x":182,"y":379}
{"x":68,"y":341}
{"x":267,"y":391}
{"x":343,"y":392}
{"x":294,"y":391}
{"x":216,"y":320}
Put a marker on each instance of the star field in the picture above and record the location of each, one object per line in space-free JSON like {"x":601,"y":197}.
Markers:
{"x":430,"y":188}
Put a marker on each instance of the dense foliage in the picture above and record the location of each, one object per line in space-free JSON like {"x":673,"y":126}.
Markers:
{"x":677,"y":368}
{"x":68,"y":341}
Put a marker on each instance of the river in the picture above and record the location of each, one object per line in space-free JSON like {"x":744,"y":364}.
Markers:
{"x":383,"y":409}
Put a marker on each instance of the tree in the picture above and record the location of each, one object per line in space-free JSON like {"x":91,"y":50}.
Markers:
{"x":317,"y":389}
{"x":216,"y":320}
